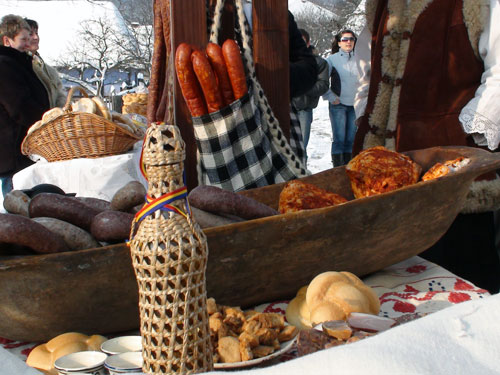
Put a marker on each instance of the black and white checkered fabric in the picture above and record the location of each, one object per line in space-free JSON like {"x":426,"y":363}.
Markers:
{"x":296,"y":139}
{"x":235,"y":151}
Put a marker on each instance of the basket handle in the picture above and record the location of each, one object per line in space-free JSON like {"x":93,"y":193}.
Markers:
{"x":67,"y":105}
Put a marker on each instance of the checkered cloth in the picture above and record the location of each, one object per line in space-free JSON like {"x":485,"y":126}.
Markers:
{"x":236,"y":151}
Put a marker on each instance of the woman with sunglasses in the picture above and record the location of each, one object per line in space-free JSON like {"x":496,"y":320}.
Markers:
{"x":341,"y":109}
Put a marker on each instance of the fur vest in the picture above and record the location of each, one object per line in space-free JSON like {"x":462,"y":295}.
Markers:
{"x":50,"y":79}
{"x":425,"y":69}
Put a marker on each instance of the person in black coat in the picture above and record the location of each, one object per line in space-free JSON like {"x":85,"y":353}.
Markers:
{"x":23,"y":98}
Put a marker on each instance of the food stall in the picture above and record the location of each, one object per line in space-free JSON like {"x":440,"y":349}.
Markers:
{"x":265,"y":261}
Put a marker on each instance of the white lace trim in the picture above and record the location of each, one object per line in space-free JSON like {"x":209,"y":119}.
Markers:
{"x":483,"y":130}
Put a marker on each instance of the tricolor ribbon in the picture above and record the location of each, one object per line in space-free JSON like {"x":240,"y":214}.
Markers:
{"x":162,"y":203}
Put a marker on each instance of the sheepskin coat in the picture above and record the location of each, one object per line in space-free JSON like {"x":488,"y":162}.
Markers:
{"x":425,"y":67}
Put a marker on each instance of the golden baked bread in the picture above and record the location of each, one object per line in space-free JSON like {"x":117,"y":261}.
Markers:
{"x":331,"y":296}
{"x":298,"y":196}
{"x":51,"y":114}
{"x":378,"y":170}
{"x":101,"y":108}
{"x":297,"y":312}
{"x":334,"y":295}
{"x":442,"y":169}
{"x":135,"y":103}
{"x":85,"y":105}
{"x":44,"y":356}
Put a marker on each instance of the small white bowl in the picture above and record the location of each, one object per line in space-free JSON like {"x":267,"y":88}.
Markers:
{"x":122,"y":344}
{"x":81,"y":362}
{"x":124,"y":363}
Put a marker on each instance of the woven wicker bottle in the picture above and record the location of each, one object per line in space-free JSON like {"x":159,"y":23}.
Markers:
{"x":169,"y":255}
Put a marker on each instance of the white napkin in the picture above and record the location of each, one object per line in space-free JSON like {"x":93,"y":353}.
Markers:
{"x":462,"y":339}
{"x":11,"y":365}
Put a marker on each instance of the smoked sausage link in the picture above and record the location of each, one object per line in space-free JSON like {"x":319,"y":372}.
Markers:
{"x":207,"y":80}
{"x":64,"y":208}
{"x":214,"y":53}
{"x":235,"y":69}
{"x":20,"y":230}
{"x":219,"y":201}
{"x":187,"y":81}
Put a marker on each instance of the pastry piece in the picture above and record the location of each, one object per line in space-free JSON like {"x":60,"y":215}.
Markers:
{"x":298,"y":196}
{"x":229,"y":349}
{"x":442,"y":169}
{"x":288,"y":333}
{"x":378,"y":170}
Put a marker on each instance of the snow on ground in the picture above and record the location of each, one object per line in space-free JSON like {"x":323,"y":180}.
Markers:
{"x":320,"y":140}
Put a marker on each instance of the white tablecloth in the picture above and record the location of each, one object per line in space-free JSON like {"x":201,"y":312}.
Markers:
{"x":97,"y":178}
{"x":461,"y":334}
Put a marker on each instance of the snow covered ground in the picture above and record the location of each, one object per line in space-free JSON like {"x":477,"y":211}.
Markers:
{"x":318,"y":149}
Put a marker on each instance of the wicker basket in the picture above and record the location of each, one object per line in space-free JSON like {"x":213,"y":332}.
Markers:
{"x":77,"y":135}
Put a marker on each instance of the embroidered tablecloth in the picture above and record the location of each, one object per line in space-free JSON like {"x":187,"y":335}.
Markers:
{"x":412,"y":286}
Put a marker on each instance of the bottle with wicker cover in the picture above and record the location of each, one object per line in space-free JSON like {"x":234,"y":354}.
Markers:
{"x":169,"y":255}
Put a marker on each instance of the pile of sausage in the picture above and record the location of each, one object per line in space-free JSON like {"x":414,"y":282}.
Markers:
{"x":212,"y":79}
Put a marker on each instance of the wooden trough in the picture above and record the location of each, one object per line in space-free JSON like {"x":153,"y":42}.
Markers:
{"x":94,"y":291}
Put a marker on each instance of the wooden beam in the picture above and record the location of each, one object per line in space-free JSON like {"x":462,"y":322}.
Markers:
{"x":271,"y":56}
{"x":189,"y":25}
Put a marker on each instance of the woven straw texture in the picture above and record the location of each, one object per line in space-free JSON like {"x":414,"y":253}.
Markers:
{"x":169,"y":256}
{"x":77,"y":135}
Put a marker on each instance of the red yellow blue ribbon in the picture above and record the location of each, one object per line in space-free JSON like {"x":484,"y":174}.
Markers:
{"x":162,"y":203}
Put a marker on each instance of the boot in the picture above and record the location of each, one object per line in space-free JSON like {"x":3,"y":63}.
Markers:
{"x":347,"y":157}
{"x":337,"y":160}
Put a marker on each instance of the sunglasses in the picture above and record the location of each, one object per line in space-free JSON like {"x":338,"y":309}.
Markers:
{"x":347,"y":39}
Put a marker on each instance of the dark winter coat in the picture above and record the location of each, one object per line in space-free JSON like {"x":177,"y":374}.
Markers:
{"x":310,"y":99}
{"x":303,"y":67}
{"x":23,"y":100}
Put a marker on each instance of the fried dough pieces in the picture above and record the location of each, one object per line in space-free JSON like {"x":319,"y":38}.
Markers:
{"x":241,"y":336}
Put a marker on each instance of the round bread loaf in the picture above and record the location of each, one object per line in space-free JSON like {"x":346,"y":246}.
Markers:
{"x":86,"y":105}
{"x":51,"y":114}
{"x":334,"y":295}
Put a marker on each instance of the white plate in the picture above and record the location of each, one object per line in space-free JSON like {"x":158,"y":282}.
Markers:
{"x":284,"y":347}
{"x":122,"y":344}
{"x":130,"y":361}
{"x":79,"y":361}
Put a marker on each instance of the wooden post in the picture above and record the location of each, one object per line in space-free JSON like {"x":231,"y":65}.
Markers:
{"x":271,"y":56}
{"x":189,"y":25}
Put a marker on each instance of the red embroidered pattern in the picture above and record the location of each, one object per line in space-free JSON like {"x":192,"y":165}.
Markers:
{"x":416,"y":269}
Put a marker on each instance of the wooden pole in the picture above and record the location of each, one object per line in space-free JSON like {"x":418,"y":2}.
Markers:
{"x":271,"y":56}
{"x":189,"y":25}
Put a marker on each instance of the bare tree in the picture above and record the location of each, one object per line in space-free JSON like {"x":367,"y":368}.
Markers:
{"x":98,"y":49}
{"x":326,"y":20}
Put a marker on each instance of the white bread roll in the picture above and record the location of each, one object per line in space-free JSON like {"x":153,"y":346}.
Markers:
{"x":297,"y":312}
{"x":334,"y":295}
{"x":44,"y":356}
{"x":86,"y":105}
